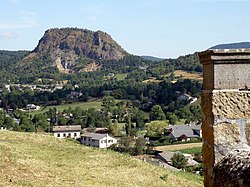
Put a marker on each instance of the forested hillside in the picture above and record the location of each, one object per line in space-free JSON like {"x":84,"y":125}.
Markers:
{"x":8,"y":60}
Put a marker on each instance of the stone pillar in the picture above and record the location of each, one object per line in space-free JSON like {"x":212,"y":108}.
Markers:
{"x":226,"y":117}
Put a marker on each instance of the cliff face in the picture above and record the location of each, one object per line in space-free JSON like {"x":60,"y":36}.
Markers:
{"x":67,"y":46}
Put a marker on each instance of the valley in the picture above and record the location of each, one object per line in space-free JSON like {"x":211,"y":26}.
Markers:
{"x":129,"y":96}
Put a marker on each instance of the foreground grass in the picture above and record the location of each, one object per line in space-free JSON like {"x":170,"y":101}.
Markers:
{"x":41,"y":160}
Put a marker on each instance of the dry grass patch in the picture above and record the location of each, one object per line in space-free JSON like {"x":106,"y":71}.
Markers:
{"x":151,"y":80}
{"x":41,"y":160}
{"x":187,"y":75}
{"x":178,"y":146}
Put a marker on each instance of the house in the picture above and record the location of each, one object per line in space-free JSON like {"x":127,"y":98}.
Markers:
{"x":183,"y":132}
{"x":97,"y":140}
{"x":7,"y":87}
{"x":166,"y":156}
{"x":58,"y":87}
{"x":143,"y":68}
{"x":98,"y":130}
{"x":187,"y":97}
{"x":71,"y":131}
{"x":111,"y":75}
{"x":32,"y":107}
{"x":74,"y":94}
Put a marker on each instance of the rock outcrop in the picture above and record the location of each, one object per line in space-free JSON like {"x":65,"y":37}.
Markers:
{"x":234,"y":169}
{"x":67,"y":46}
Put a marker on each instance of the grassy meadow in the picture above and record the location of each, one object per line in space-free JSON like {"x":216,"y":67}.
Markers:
{"x":83,"y":105}
{"x":121,"y":76}
{"x":29,"y":159}
{"x":191,"y":150}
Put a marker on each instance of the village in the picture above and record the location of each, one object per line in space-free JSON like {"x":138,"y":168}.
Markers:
{"x":103,"y":137}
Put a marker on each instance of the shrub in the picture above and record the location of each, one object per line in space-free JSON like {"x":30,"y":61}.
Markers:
{"x":179,"y":161}
{"x":164,"y":177}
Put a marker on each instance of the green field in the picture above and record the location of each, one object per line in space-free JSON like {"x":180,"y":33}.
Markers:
{"x":29,"y":159}
{"x":121,"y":76}
{"x":192,"y":150}
{"x":83,"y":105}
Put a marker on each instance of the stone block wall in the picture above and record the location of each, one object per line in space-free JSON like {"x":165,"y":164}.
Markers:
{"x":226,"y":117}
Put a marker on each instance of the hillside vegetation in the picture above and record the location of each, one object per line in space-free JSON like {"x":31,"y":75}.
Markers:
{"x":187,"y":75}
{"x":41,"y":160}
{"x":82,"y":105}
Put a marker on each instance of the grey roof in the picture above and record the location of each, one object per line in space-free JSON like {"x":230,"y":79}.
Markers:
{"x":66,"y":128}
{"x":178,"y":130}
{"x":85,"y":130}
{"x":166,"y":156}
{"x":94,"y":136}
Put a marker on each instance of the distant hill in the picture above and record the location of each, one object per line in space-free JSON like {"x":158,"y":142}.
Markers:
{"x":70,"y":49}
{"x":232,"y":45}
{"x":33,"y":159}
{"x":151,"y":58}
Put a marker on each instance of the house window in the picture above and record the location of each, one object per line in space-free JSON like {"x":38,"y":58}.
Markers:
{"x":58,"y":135}
{"x":84,"y":138}
{"x":75,"y":134}
{"x":64,"y":135}
{"x":110,"y":141}
{"x":93,"y":140}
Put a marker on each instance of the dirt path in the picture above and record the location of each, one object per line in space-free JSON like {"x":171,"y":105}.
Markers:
{"x":177,"y":147}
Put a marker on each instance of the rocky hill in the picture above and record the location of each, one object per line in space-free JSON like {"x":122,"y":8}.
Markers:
{"x":69,"y":49}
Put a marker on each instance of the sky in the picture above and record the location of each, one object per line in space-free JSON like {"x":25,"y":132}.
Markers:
{"x":160,"y":28}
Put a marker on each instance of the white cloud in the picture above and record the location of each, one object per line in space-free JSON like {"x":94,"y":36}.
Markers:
{"x":26,"y":20}
{"x":8,"y":35}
